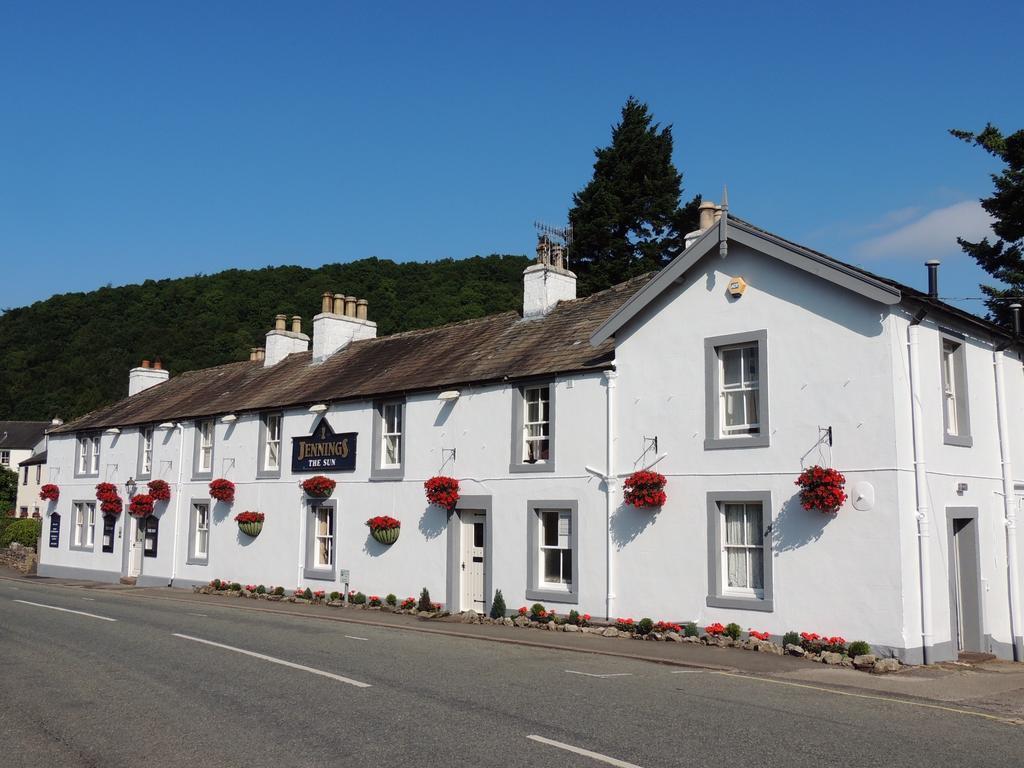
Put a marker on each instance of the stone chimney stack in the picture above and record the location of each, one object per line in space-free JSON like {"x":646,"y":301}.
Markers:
{"x":281,"y":342}
{"x":146,"y":376}
{"x":548,"y":281}
{"x":342,"y":320}
{"x":709,"y":214}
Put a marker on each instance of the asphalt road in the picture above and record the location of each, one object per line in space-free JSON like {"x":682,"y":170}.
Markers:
{"x":145,"y":690}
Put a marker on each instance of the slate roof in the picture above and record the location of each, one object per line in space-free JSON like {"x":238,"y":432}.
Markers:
{"x":21,"y":434}
{"x":479,"y":351}
{"x":38,"y":458}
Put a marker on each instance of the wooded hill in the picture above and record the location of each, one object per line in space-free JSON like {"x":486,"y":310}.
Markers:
{"x":71,"y":353}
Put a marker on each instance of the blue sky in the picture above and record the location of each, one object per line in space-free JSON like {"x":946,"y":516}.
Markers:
{"x":148,"y":140}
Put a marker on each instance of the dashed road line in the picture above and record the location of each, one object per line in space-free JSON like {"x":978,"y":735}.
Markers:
{"x":585,"y":752}
{"x":353,"y":637}
{"x":65,"y":610}
{"x":592,"y":674}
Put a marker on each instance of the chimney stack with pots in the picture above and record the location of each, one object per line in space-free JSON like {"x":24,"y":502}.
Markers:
{"x":281,"y":342}
{"x":342,"y":320}
{"x":548,"y":281}
{"x":146,"y":376}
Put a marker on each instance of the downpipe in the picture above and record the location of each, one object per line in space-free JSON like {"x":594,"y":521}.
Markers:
{"x":1009,"y":506}
{"x":921,"y":490}
{"x":177,"y":504}
{"x":610,"y":485}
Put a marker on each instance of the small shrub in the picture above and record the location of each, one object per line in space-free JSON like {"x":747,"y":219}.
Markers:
{"x":835,"y":644}
{"x":574,"y":617}
{"x":391,"y":600}
{"x":537,"y":609}
{"x":335,"y":596}
{"x":319,"y":594}
{"x":644,"y":626}
{"x":359,"y":598}
{"x":409,"y":602}
{"x":498,"y":605}
{"x":235,"y":587}
{"x":733,"y":630}
{"x":374,"y":601}
{"x":279,"y":591}
{"x":215,"y":583}
{"x":308,"y":594}
{"x":424,"y":604}
{"x":690,"y":629}
{"x":859,"y":648}
{"x":261,"y":590}
{"x":791,"y":638}
{"x":25,"y":531}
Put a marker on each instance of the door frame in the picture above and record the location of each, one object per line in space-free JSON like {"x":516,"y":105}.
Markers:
{"x":129,"y":530}
{"x":964,"y":513}
{"x":453,"y":582}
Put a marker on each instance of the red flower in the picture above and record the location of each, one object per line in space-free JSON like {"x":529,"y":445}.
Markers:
{"x":645,"y":489}
{"x":319,"y":486}
{"x":159,"y":490}
{"x":715,"y":629}
{"x":822,"y":489}
{"x":443,"y":491}
{"x":250,"y":517}
{"x":319,"y":594}
{"x":667,"y":626}
{"x":408,"y":603}
{"x":523,"y":611}
{"x":383,"y":523}
{"x":222,"y":490}
{"x":49,"y":492}
{"x":141,"y":505}
{"x":110,"y":501}
{"x":760,"y":635}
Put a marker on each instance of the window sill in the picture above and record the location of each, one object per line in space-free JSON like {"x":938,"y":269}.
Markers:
{"x":198,"y":560}
{"x":740,"y":603}
{"x":86,"y":477}
{"x":80,"y":548}
{"x":525,"y":468}
{"x":964,"y":441}
{"x":147,"y":476}
{"x":552,"y":596}
{"x":197,"y":476}
{"x":268,"y":474}
{"x":387,"y":473}
{"x":753,"y":441}
{"x":319,"y":574}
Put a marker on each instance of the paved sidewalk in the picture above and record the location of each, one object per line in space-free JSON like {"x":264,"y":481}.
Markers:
{"x":996,"y":686}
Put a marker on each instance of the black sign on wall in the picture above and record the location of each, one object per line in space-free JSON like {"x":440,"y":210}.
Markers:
{"x":55,"y":530}
{"x":109,"y":521}
{"x":152,"y":531}
{"x":324,"y":450}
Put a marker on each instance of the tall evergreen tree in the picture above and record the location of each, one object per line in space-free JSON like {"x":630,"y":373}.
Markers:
{"x":627,"y":220}
{"x":1003,"y":259}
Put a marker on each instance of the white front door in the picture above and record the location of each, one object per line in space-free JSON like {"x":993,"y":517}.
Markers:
{"x":136,"y":538}
{"x":473,"y":566}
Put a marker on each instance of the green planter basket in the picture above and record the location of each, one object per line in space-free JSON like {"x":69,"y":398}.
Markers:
{"x":386,"y":535}
{"x":251,"y":529}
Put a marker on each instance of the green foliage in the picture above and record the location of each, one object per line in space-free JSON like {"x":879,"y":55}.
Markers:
{"x":574,"y":617}
{"x":733,"y":630}
{"x":627,"y":220}
{"x":791,"y":638}
{"x":391,"y":600}
{"x":278,"y":590}
{"x":359,"y":598}
{"x":235,"y":587}
{"x":8,"y":478}
{"x":335,"y":595}
{"x":308,"y":594}
{"x":537,"y":610}
{"x":644,"y":626}
{"x":1004,"y":258}
{"x":690,"y":629}
{"x":25,"y":531}
{"x":424,"y":603}
{"x":261,"y":590}
{"x":498,"y":605}
{"x":859,"y":648}
{"x":207,"y":320}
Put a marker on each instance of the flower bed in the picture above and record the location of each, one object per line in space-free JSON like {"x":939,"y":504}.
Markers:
{"x":319,"y":487}
{"x":222,"y":490}
{"x":645,"y":489}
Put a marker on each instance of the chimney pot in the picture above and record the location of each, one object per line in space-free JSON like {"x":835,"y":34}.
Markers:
{"x":933,"y":277}
{"x":145,"y":363}
{"x":339,"y":303}
{"x":326,"y":301}
{"x":362,"y":307}
{"x":707,"y":211}
{"x":261,"y":354}
{"x":1015,"y":309}
{"x":158,"y":364}
{"x":280,"y":322}
{"x":296,"y":324}
{"x":350,"y":306}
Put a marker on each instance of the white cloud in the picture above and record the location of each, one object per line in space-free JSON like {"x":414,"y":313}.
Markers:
{"x":933,"y":234}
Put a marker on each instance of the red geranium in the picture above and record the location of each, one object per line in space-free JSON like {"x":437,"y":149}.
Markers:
{"x":159,"y":490}
{"x":110,"y":500}
{"x":667,"y":626}
{"x":715,"y":629}
{"x":443,"y":491}
{"x":49,"y":492}
{"x":645,"y":489}
{"x":523,"y":611}
{"x":760,"y":635}
{"x":222,"y":490}
{"x":319,"y":486}
{"x":250,"y":517}
{"x":822,"y":488}
{"x":408,"y":603}
{"x":383,"y":523}
{"x":141,"y":505}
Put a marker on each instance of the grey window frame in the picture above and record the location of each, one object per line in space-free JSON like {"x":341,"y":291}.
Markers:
{"x":378,"y":472}
{"x":310,"y":571}
{"x":74,"y":526}
{"x":261,"y":472}
{"x":96,"y":440}
{"x":534,"y":590}
{"x":963,"y":409}
{"x":190,"y":556}
{"x":516,"y":463}
{"x":5,"y":458}
{"x":197,"y":432}
{"x":139,"y":474}
{"x":713,"y":438}
{"x":715,"y":537}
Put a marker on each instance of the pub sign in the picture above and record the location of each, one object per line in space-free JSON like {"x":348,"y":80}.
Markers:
{"x":324,"y":450}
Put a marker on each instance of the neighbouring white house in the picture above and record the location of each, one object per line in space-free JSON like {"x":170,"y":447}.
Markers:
{"x":744,"y":361}
{"x":19,"y":441}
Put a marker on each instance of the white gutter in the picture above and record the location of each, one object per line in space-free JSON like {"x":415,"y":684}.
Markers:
{"x":921,"y":489}
{"x":1009,"y":506}
{"x":177,"y":504}
{"x":610,"y":482}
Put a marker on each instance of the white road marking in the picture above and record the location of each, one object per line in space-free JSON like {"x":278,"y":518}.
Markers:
{"x":353,"y":637}
{"x":687,"y":672}
{"x":584,"y":752}
{"x":197,"y":614}
{"x":282,"y":662}
{"x":591,"y":674}
{"x":65,"y":610}
{"x":90,"y":599}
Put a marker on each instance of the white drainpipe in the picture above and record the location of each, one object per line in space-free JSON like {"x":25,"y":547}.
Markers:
{"x":177,"y":504}
{"x":921,"y":489}
{"x":1009,"y":506}
{"x":610,"y":482}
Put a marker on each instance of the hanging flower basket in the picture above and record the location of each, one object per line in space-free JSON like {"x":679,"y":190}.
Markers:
{"x":442,"y":491}
{"x":822,"y":489}
{"x":645,"y":489}
{"x":250,"y":523}
{"x":141,"y":505}
{"x":222,"y":490}
{"x":385,"y":529}
{"x":319,"y":486}
{"x":109,"y":499}
{"x":159,"y":490}
{"x":49,"y":492}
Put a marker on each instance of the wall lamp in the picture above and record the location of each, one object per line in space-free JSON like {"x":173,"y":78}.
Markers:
{"x":112,"y":431}
{"x":449,"y":395}
{"x":228,"y":419}
{"x":318,"y":408}
{"x":167,"y":425}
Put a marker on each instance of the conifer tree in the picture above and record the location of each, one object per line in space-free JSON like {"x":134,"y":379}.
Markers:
{"x":498,"y":605}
